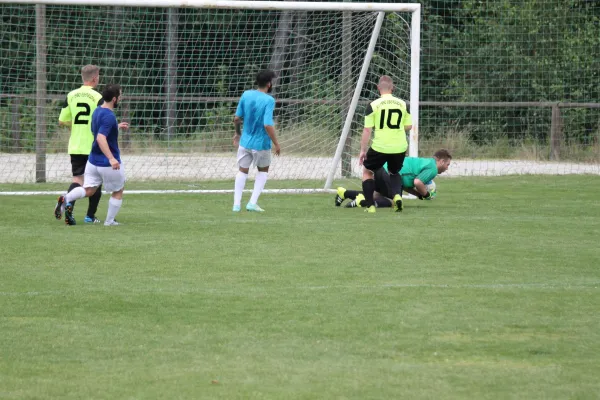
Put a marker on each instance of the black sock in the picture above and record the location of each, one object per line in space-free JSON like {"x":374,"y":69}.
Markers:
{"x":368,"y":190}
{"x":351,"y":194}
{"x":94,"y":201}
{"x":396,"y":183}
{"x":73,"y":186}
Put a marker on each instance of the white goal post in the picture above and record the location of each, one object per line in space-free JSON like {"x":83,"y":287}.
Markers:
{"x":182,"y":72}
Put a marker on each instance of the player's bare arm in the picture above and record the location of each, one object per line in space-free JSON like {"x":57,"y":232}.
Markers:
{"x":103,"y":144}
{"x":237,"y":122}
{"x":271,"y":132}
{"x":420,"y":187}
{"x":364,"y":145}
{"x":421,"y":190}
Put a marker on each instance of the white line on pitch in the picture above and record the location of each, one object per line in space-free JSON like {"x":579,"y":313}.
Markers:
{"x":546,"y":286}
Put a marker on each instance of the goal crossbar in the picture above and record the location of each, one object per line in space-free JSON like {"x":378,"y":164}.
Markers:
{"x":235,"y":4}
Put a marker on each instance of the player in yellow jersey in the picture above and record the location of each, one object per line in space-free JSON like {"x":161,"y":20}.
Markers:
{"x":391,"y":121}
{"x":77,"y":113}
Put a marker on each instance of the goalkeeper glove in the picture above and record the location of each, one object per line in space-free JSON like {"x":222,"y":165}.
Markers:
{"x":428,"y":196}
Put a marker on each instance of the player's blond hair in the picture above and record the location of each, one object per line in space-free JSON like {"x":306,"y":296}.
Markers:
{"x":385,"y":83}
{"x":89,"y":72}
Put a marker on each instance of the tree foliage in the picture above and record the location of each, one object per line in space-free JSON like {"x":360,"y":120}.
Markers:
{"x":472,"y":51}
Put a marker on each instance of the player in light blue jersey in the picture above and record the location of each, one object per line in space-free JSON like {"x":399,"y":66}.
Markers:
{"x":255,"y":113}
{"x":104,"y":166}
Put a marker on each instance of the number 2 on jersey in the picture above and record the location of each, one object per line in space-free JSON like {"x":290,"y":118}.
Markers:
{"x":84,"y":113}
{"x":391,"y":112}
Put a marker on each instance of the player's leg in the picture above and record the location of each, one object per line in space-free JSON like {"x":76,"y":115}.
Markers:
{"x":359,"y":201}
{"x":78,"y":162}
{"x":70,"y":198}
{"x":114,"y":181}
{"x":395,"y":162}
{"x":244,"y":160}
{"x":368,"y":186}
{"x":357,"y":198}
{"x":383,"y":189}
{"x":94,"y":201}
{"x":114,"y":205}
{"x":345,"y":194}
{"x":91,"y":181}
{"x":382,"y":202}
{"x":373,"y":162}
{"x":262,"y":160}
{"x":383,"y":185}
{"x":340,"y":196}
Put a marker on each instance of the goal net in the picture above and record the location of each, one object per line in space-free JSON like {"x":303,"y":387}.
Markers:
{"x":183,"y":70}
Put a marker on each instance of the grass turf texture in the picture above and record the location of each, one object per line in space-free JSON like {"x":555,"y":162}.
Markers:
{"x":491,"y":291}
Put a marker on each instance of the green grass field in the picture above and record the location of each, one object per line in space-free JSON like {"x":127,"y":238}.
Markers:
{"x":491,"y":291}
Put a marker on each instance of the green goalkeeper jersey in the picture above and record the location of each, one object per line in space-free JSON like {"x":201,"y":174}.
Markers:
{"x":424,"y":169}
{"x":78,"y":109}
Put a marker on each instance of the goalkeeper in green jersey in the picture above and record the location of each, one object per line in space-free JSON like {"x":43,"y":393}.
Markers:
{"x":416,"y":173}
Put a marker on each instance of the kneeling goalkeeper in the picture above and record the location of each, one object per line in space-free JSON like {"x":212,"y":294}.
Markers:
{"x":415,"y":173}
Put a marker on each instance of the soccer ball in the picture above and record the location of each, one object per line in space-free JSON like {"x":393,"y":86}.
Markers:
{"x":431,"y":187}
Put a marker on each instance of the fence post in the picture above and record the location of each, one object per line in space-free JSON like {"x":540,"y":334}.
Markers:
{"x":556,"y":135}
{"x":40,"y":96}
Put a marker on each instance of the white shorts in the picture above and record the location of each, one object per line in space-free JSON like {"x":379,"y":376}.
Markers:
{"x":260,"y":158}
{"x":112,"y":179}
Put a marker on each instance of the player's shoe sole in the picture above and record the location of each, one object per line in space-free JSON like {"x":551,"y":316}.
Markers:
{"x":58,"y":210}
{"x":398,"y":203}
{"x":254,"y":208}
{"x":339,"y":197}
{"x":69,"y":219}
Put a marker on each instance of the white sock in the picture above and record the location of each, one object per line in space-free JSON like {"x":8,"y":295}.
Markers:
{"x":240,"y":183}
{"x":259,"y":185}
{"x":75,"y":194}
{"x":114,"y":206}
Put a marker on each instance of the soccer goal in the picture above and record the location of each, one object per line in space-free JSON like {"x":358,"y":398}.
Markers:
{"x":183,"y":66}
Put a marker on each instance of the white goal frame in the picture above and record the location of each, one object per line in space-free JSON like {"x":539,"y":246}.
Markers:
{"x":381,"y":8}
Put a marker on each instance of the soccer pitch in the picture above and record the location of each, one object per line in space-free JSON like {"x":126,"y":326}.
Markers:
{"x":491,"y":291}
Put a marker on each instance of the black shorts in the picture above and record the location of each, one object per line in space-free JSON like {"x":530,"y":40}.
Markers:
{"x":376,"y":160}
{"x":78,"y":162}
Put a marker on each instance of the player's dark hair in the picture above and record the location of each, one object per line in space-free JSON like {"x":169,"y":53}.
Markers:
{"x":264,"y":77}
{"x":111,"y":91}
{"x":442,"y":154}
